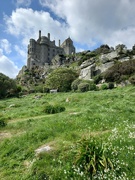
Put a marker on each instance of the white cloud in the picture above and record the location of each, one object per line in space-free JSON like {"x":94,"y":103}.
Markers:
{"x":25,"y":3}
{"x":91,"y":21}
{"x":25,"y":24}
{"x":7,"y":67}
{"x":5,"y":45}
{"x":20,"y":51}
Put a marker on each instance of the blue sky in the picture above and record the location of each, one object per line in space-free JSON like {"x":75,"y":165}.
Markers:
{"x":89,"y":24}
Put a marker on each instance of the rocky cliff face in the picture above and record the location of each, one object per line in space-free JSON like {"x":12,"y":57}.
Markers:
{"x":89,"y":63}
{"x":104,"y":59}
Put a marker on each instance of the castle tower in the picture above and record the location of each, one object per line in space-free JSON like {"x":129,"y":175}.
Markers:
{"x":68,"y":46}
{"x":43,"y":50}
{"x":39,"y":34}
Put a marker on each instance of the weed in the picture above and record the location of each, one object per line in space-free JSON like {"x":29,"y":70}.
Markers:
{"x":52,"y":109}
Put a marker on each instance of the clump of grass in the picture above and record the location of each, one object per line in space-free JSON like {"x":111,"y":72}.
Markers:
{"x":2,"y":123}
{"x":92,"y":157}
{"x":52,"y":109}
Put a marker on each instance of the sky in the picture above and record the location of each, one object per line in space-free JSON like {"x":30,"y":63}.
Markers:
{"x":89,"y":23}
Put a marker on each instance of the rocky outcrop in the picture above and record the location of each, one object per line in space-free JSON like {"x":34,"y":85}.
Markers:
{"x":101,"y":62}
{"x":89,"y":63}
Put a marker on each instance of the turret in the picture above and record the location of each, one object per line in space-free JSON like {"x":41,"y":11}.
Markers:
{"x":39,"y":34}
{"x":59,"y":42}
{"x":49,"y":36}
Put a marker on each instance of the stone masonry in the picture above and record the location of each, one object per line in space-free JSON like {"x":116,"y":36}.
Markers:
{"x":42,"y":51}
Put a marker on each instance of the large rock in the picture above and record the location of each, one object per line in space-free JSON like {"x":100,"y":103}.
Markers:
{"x":108,"y":57}
{"x":87,"y":73}
{"x":104,"y":67}
{"x":87,"y":63}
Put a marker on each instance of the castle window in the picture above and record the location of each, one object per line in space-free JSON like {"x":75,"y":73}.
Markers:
{"x":48,"y":49}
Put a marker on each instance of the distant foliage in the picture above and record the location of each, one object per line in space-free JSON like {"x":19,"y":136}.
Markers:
{"x":61,"y":79}
{"x":98,"y":78}
{"x":75,"y":83}
{"x":8,"y":87}
{"x":110,"y":85}
{"x":104,"y":86}
{"x":120,"y":70}
{"x":102,"y":49}
{"x":83,"y":87}
{"x":132,"y":79}
{"x":92,"y":86}
{"x":52,"y":109}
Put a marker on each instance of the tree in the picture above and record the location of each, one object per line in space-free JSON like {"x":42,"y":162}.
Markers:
{"x":61,"y":79}
{"x":7,"y":86}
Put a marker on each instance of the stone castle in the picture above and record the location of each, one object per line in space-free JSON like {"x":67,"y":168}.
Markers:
{"x":43,"y":50}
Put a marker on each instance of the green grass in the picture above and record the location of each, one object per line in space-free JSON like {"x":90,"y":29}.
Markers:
{"x":108,"y":115}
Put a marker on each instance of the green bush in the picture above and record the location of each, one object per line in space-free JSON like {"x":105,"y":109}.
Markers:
{"x":119,"y":71}
{"x":104,"y":86}
{"x":132,"y":79}
{"x":83,"y":87}
{"x":52,"y":109}
{"x":110,"y":85}
{"x":98,"y":78}
{"x":91,"y":157}
{"x":61,"y":79}
{"x":8,"y":86}
{"x":92,"y":86}
{"x":2,"y":122}
{"x":75,"y":83}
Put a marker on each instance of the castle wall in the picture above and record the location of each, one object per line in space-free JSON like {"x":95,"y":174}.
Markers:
{"x":43,"y":50}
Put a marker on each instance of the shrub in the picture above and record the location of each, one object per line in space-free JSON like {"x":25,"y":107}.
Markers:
{"x":75,"y":83}
{"x":92,"y":86}
{"x":110,"y":85}
{"x":7,"y":86}
{"x":104,"y":86}
{"x":52,"y":109}
{"x":132,"y":79}
{"x":83,"y":87}
{"x":2,"y":122}
{"x":91,"y":157}
{"x":98,"y":78}
{"x":38,"y":89}
{"x":61,"y":79}
{"x":119,"y":71}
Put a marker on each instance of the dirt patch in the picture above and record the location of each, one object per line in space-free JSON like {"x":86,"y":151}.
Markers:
{"x":5,"y":135}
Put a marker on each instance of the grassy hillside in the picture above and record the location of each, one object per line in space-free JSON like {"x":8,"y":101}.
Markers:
{"x":108,"y":116}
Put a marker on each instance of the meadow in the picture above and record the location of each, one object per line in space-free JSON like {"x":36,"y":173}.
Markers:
{"x":107,"y":116}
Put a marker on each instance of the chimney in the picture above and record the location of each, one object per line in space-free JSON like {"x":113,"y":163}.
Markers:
{"x":49,"y":36}
{"x":39,"y":34}
{"x":59,"y":42}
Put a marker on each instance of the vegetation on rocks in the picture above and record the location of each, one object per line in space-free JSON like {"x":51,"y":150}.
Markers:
{"x":120,"y":71}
